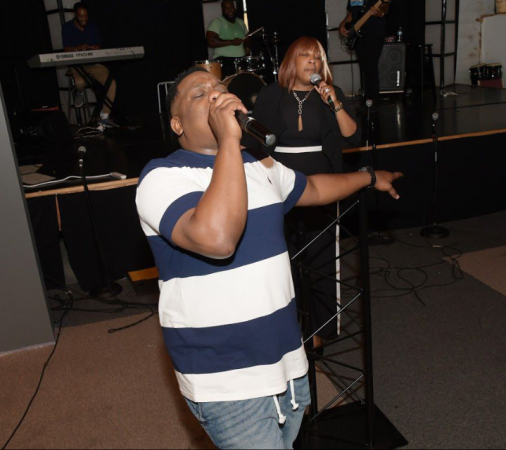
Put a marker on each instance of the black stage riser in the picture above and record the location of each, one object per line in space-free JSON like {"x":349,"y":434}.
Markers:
{"x":471,"y":179}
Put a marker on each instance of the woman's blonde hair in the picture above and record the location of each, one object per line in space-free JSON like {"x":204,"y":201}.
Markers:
{"x":288,"y":69}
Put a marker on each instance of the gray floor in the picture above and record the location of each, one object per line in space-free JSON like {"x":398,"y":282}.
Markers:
{"x":439,"y":360}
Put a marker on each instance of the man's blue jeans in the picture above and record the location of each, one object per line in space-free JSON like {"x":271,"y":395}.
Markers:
{"x":254,"y":423}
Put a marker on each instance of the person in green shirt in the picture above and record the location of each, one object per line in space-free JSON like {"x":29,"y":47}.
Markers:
{"x":227,"y":36}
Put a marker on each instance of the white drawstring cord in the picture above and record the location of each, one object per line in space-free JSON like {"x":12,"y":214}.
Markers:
{"x":294,"y":404}
{"x":281,"y":417}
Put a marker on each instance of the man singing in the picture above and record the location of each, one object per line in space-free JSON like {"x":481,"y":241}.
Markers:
{"x":227,"y":36}
{"x":80,"y":35}
{"x":213,"y":213}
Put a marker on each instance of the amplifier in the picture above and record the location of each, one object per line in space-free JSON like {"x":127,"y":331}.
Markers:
{"x":42,"y":126}
{"x":392,"y":68}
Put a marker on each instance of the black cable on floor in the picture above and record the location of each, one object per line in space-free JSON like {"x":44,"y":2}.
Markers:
{"x":124,"y":305}
{"x":386,"y":272}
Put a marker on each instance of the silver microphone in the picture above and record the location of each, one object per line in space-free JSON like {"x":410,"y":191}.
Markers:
{"x":316,"y":79}
{"x":435,"y":117}
{"x":254,"y":128}
{"x":368,"y":103}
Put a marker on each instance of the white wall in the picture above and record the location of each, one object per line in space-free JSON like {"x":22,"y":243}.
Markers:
{"x":493,"y":48}
{"x":469,"y":46}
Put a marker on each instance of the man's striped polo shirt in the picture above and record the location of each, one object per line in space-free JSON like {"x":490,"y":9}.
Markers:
{"x":230,"y":326}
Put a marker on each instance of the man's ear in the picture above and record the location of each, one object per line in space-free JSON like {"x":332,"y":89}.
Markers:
{"x":177,"y":127}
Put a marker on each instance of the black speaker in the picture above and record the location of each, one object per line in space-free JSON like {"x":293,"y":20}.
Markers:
{"x":392,"y":68}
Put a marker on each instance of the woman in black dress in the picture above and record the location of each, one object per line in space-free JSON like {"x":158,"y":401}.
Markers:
{"x":310,"y":137}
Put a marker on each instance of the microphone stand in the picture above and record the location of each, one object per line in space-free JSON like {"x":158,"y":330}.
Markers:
{"x":375,"y":239}
{"x":435,"y":231}
{"x":108,"y":289}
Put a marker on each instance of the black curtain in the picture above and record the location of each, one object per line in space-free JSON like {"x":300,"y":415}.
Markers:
{"x":172,"y":33}
{"x":291,"y":19}
{"x":410,"y":15}
{"x":24,"y":32}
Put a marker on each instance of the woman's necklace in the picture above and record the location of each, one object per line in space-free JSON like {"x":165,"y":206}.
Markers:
{"x":301,"y":125}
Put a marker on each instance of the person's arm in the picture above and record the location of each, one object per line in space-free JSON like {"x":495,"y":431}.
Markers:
{"x":346,"y":123}
{"x":342,"y":27}
{"x":214,"y":41}
{"x":382,"y":11}
{"x":215,"y":226}
{"x":247,"y":45}
{"x":325,"y":189}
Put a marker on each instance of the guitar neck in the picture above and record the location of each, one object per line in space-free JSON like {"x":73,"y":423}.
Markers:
{"x":367,"y":16}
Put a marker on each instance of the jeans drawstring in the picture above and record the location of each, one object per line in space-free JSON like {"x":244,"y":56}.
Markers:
{"x":295,"y":406}
{"x":281,"y":417}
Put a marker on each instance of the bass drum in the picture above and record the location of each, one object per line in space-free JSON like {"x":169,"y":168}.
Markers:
{"x":213,"y":67}
{"x":246,"y":86}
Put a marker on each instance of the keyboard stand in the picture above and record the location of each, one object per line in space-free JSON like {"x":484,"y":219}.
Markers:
{"x":99,"y":89}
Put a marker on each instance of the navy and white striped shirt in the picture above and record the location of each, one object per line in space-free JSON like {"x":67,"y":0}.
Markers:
{"x":230,"y":326}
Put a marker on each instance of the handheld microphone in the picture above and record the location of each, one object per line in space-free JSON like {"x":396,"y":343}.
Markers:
{"x":255,"y":129}
{"x":316,"y":79}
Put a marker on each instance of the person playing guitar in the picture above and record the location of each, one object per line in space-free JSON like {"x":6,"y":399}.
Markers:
{"x":371,"y":38}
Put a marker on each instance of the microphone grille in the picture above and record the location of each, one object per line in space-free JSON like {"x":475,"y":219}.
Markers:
{"x":315,"y":78}
{"x":435,"y":116}
{"x":368,"y":103}
{"x":82,"y":149}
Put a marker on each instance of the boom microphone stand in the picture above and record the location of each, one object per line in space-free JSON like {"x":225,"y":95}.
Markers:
{"x":435,"y":231}
{"x":274,"y":58}
{"x":375,"y":239}
{"x":108,"y":289}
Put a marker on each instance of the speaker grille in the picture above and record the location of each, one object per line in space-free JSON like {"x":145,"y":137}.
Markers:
{"x":392,"y":68}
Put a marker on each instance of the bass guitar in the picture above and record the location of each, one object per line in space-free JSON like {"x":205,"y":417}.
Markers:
{"x":354,"y":34}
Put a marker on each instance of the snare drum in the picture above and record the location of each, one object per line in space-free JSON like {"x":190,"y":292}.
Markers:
{"x":250,"y":64}
{"x":213,"y":67}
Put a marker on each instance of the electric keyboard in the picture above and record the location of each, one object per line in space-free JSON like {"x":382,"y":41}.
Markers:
{"x":85,"y":57}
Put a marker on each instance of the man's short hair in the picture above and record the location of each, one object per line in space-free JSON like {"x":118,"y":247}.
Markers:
{"x":173,"y":91}
{"x":78,"y":6}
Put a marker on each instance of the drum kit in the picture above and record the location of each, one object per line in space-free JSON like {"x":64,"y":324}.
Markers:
{"x":249,"y":77}
{"x":481,"y":72}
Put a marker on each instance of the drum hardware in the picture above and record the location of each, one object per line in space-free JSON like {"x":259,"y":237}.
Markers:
{"x":250,"y":64}
{"x":481,"y":72}
{"x":214,"y":67}
{"x":274,"y":40}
